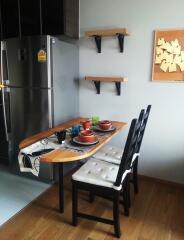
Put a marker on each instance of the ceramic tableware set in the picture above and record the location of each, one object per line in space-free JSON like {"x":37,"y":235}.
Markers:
{"x":86,"y":135}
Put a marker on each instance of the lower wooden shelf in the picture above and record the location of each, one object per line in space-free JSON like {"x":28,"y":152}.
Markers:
{"x":97,"y":80}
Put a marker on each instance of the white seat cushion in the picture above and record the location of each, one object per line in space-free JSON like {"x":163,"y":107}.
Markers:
{"x":112,"y":154}
{"x":109,"y":154}
{"x":99,"y":172}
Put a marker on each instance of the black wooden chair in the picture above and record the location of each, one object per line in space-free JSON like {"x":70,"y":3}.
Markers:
{"x":113,"y":154}
{"x":106,"y":180}
{"x":116,"y":160}
{"x":139,"y":141}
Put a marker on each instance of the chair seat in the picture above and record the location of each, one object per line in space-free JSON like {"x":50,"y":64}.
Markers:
{"x":98,"y":172}
{"x":112,"y":154}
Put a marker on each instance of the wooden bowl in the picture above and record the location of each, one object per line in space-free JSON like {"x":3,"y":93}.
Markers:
{"x":105,"y":124}
{"x":87,"y":136}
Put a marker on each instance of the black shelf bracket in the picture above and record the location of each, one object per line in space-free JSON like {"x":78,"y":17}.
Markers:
{"x":117,"y":84}
{"x":121,"y":41}
{"x":98,"y":41}
{"x":97,"y":86}
{"x":118,"y":88}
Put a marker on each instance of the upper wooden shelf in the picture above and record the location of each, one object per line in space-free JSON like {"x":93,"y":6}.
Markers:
{"x":106,"y":79}
{"x":98,"y":34}
{"x":116,"y":80}
{"x":107,"y":32}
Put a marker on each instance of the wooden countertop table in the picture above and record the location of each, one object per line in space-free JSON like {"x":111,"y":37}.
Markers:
{"x":61,"y":156}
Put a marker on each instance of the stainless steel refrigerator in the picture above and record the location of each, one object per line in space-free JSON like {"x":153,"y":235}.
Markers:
{"x":40,"y":78}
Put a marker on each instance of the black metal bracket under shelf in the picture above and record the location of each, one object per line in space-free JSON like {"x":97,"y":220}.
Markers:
{"x":121,"y":41}
{"x":97,"y":86}
{"x":98,"y":41}
{"x":117,"y":84}
{"x":118,"y":88}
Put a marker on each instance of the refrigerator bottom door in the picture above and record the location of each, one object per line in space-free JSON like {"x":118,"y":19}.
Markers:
{"x":31,"y":112}
{"x":4,"y":152}
{"x":4,"y":146}
{"x":2,"y":125}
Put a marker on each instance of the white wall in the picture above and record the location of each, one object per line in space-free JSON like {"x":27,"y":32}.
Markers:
{"x":162,"y":153}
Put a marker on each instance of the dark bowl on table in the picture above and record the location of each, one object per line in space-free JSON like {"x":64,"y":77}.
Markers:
{"x":87,"y":136}
{"x":105,"y":124}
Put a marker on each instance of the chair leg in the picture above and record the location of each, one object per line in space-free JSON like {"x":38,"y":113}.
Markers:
{"x":128,"y":191}
{"x":116,"y":215}
{"x":74,"y":204}
{"x":126,"y":198}
{"x":135,"y":177}
{"x":91,"y":197}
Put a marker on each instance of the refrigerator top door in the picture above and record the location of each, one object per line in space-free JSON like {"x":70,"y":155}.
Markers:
{"x":28,"y":62}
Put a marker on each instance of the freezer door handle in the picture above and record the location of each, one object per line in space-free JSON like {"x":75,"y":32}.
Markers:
{"x":5,"y":93}
{"x":4,"y":65}
{"x":50,"y":107}
{"x":1,"y":64}
{"x":6,"y":111}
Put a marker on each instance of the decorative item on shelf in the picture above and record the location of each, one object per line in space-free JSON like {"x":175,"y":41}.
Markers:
{"x":98,"y":80}
{"x":98,"y":34}
{"x":168,"y":59}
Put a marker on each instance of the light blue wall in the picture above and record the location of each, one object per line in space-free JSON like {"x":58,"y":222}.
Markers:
{"x":162,"y":153}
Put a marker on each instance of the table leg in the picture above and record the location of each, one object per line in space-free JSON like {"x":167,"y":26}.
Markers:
{"x":61,"y":188}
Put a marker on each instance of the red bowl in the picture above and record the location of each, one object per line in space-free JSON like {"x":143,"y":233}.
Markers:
{"x":86,"y":132}
{"x":105,"y":124}
{"x":87,"y":136}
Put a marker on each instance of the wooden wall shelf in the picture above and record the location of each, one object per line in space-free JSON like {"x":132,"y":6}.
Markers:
{"x":98,"y":80}
{"x":98,"y":34}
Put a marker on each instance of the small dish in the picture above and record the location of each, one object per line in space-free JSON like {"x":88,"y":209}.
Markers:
{"x":98,"y":128}
{"x":77,"y":140}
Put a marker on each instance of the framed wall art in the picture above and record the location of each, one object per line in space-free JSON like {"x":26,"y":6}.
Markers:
{"x":168,"y":57}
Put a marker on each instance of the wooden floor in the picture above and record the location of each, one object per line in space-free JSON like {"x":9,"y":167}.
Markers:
{"x":157,"y":213}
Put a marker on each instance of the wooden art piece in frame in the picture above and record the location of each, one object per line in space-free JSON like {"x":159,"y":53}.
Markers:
{"x":168,"y":58}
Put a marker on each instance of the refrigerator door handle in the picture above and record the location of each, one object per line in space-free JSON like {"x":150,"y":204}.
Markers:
{"x":5,"y":91}
{"x":1,"y":65}
{"x":6,"y":111}
{"x":4,"y":65}
{"x":50,"y":107}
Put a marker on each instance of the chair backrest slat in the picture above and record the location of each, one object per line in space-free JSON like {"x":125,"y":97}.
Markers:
{"x":133,"y":143}
{"x":128,"y":152}
{"x":138,"y":126}
{"x":142,"y":128}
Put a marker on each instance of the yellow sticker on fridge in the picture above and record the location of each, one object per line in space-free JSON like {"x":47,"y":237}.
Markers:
{"x":42,"y":56}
